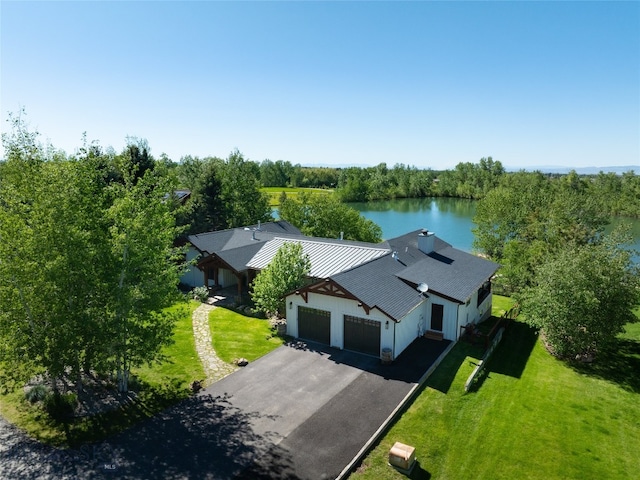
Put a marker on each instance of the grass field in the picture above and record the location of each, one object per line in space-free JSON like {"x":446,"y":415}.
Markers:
{"x":236,"y":336}
{"x":274,"y":193}
{"x":532,"y":416}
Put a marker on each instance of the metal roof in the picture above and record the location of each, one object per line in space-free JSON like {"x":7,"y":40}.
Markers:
{"x":368,"y":271}
{"x":328,"y":257}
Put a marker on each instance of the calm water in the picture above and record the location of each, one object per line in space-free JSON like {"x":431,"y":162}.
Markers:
{"x":449,"y":218}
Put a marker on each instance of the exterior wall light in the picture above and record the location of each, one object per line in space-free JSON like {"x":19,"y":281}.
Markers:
{"x":386,"y":325}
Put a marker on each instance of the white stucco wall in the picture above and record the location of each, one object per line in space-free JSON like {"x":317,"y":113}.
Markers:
{"x":398,"y":336}
{"x":474,"y":313}
{"x":410,"y":328}
{"x":193,"y":277}
{"x":339,"y":307}
{"x":449,"y":316}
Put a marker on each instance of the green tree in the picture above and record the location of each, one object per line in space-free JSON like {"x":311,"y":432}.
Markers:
{"x":287,"y":271}
{"x":527,"y":218}
{"x":469,"y":180}
{"x":136,"y":158}
{"x":205,"y":210}
{"x":86,"y":264}
{"x":583,"y":296}
{"x":275,"y":174}
{"x":325,"y":216}
{"x":144,"y":270}
{"x":243,"y":202}
{"x":353,"y":185}
{"x":52,"y":239}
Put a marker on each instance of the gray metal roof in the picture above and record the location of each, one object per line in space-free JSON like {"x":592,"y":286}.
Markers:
{"x":327,"y":257}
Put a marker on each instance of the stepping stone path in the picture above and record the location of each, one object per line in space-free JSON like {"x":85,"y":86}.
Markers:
{"x":214,"y":368}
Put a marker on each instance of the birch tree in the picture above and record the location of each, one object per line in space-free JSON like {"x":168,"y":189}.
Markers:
{"x":49,"y":224}
{"x":145,"y":270}
{"x":86,"y":265}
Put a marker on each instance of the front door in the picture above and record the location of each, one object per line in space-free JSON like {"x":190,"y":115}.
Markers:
{"x":437,"y":313}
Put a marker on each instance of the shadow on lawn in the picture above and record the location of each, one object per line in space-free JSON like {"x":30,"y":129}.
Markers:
{"x":419,"y":473}
{"x":201,"y":437}
{"x":619,"y":364}
{"x":512,"y":355}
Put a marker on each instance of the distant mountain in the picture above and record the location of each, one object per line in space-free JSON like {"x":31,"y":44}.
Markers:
{"x":579,"y":170}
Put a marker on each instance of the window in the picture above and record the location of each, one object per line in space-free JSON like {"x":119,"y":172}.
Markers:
{"x":484,"y":292}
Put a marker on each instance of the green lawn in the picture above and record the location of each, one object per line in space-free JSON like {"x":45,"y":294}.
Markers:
{"x":162,"y":385}
{"x":532,"y":417}
{"x":237,"y":336}
{"x":274,"y":193}
{"x":182,"y":364}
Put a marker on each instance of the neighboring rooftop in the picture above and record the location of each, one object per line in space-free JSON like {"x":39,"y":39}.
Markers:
{"x":218,"y":241}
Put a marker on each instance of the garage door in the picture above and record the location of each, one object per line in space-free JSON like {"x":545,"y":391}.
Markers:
{"x":362,"y":335}
{"x":314,"y":325}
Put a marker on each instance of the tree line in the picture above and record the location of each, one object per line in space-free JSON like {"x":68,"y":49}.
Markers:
{"x":616,"y":194}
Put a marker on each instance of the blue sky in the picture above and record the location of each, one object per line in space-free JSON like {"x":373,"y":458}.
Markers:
{"x":429,"y":84}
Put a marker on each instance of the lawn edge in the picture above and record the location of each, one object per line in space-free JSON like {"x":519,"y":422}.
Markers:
{"x":408,"y":398}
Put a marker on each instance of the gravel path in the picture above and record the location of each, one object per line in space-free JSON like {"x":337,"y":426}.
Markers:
{"x":214,"y":367}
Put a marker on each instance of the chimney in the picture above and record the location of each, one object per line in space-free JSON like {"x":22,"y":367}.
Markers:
{"x":426,"y":241}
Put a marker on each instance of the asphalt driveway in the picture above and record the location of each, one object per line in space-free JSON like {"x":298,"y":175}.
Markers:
{"x":300,"y":412}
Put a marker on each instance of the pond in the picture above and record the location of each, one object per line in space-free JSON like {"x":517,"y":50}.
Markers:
{"x":451,"y":219}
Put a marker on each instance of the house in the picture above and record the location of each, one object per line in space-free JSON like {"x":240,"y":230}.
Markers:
{"x":369,"y":298}
{"x":221,"y":257}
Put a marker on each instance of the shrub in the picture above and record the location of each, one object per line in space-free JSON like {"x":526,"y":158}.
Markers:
{"x":37,"y":393}
{"x":200,"y":293}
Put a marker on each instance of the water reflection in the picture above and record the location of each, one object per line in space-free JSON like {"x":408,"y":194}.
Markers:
{"x":449,"y":218}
